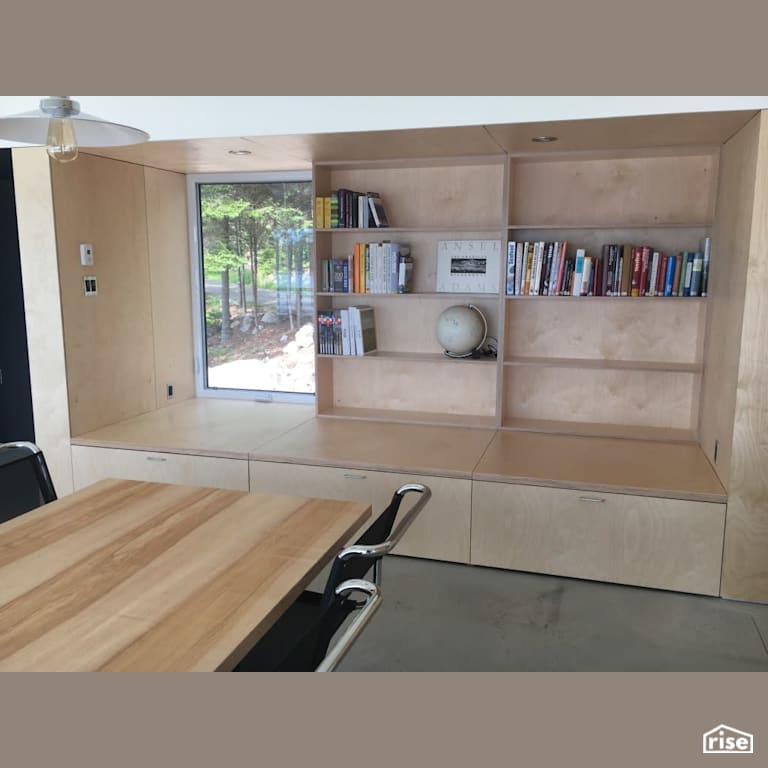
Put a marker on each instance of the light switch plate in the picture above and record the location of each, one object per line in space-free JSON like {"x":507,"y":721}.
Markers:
{"x":86,"y":254}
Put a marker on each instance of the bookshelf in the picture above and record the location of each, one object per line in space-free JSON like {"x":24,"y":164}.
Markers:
{"x":408,"y":379}
{"x":597,"y":366}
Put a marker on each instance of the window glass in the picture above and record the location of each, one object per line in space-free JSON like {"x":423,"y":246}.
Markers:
{"x":257,"y":293}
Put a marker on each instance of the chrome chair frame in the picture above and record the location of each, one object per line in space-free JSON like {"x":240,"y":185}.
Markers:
{"x":372,"y":603}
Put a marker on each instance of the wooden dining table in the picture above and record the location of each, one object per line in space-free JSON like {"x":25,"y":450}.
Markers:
{"x":129,"y":575}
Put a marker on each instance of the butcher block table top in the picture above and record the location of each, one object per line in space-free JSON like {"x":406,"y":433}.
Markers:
{"x":128,"y":575}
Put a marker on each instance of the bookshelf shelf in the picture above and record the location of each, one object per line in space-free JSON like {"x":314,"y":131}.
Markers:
{"x":447,"y":230}
{"x":410,"y":417}
{"x":596,"y":429}
{"x":575,"y":299}
{"x":417,"y":296}
{"x":587,"y":363}
{"x":416,"y":357}
{"x":608,"y":227}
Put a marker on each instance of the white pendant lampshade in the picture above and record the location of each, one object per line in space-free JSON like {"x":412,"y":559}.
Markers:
{"x":63,"y":128}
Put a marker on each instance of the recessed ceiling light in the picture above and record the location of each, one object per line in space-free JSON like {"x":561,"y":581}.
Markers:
{"x":544,"y":139}
{"x":239,"y":152}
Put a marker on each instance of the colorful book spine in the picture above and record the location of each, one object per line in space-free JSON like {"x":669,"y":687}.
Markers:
{"x":669,"y":277}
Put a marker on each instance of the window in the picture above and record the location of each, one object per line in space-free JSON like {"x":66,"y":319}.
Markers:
{"x":254,"y":297}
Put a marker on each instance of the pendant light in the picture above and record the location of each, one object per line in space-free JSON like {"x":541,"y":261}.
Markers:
{"x":62,"y":128}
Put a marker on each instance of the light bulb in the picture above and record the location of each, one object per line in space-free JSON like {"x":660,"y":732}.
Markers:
{"x":61,"y":143}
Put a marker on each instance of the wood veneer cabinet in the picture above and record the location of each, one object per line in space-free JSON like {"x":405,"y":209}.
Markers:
{"x":638,"y":540}
{"x":92,"y":464}
{"x":441,"y":531}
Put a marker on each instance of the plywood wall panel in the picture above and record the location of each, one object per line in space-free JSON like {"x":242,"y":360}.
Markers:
{"x":107,"y":337}
{"x":169,"y":273}
{"x":42,"y":305}
{"x":745,"y":554}
{"x":727,"y":281}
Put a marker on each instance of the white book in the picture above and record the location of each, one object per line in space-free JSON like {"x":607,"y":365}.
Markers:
{"x":554,"y":270}
{"x":345,"y":348}
{"x":522,"y":255}
{"x":354,"y":331}
{"x":586,"y":276}
{"x":654,"y":273}
{"x":536,"y":271}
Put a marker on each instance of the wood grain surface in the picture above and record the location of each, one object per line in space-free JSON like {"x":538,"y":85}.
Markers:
{"x":128,"y":575}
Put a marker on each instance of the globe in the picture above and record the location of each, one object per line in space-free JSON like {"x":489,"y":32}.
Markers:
{"x":461,"y":329}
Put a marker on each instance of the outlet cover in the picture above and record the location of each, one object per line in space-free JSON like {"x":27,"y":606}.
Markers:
{"x":89,"y":285}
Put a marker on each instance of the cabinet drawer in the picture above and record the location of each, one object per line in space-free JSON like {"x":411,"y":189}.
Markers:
{"x":92,"y":464}
{"x":649,"y":542}
{"x":441,"y":530}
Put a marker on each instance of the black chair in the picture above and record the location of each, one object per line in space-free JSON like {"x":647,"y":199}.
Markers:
{"x":25,"y":482}
{"x":299,"y":639}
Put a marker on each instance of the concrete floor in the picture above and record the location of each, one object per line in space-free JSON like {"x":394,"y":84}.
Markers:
{"x":445,"y":617}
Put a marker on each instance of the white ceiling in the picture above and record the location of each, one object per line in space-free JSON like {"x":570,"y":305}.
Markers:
{"x":190,"y":117}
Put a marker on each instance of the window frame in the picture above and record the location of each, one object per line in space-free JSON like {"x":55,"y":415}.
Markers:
{"x":198,"y":292}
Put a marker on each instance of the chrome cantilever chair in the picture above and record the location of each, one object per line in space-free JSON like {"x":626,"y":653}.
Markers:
{"x":25,"y":482}
{"x":299,"y":639}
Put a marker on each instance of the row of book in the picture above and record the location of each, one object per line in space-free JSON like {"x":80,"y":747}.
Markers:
{"x":547,"y":269}
{"x":371,"y":268}
{"x":349,"y":331}
{"x":345,"y":209}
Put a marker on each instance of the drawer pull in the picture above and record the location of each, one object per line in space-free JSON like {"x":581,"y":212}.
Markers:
{"x":355,"y":477}
{"x":156,"y":458}
{"x":592,"y":499}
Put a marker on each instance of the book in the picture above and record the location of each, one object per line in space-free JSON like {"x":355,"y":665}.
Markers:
{"x":520,"y":256}
{"x":578,"y":271}
{"x":696,"y":270}
{"x":364,"y":326}
{"x":645,"y":263}
{"x":561,"y":269}
{"x":345,"y":342}
{"x":586,"y":276}
{"x":688,"y":273}
{"x":626,"y":270}
{"x":706,"y":245}
{"x":637,"y":268}
{"x":670,"y":275}
{"x":511,"y":255}
{"x":653,"y":275}
{"x":676,"y":291}
{"x":378,"y":214}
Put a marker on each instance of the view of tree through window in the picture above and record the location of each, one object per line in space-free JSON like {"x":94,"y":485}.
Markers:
{"x":259,"y":309}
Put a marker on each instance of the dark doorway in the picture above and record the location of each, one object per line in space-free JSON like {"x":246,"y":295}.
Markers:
{"x":16,"y":420}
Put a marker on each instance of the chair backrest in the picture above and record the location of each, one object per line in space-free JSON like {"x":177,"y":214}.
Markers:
{"x":25,"y":482}
{"x":355,"y":561}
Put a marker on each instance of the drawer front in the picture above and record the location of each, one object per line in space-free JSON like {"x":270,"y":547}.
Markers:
{"x":639,"y":540}
{"x":92,"y":464}
{"x":441,"y":530}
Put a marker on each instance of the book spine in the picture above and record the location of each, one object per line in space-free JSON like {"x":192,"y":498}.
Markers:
{"x":626,"y":271}
{"x":535,"y":269}
{"x":676,"y":291}
{"x":511,"y":255}
{"x":654,"y":274}
{"x":561,"y":272}
{"x":661,"y":282}
{"x":706,"y":245}
{"x":522,"y":250}
{"x":670,"y":275}
{"x":528,"y":270}
{"x":586,"y":278}
{"x":610,"y":254}
{"x":555,"y":271}
{"x":645,"y":263}
{"x":688,"y":273}
{"x":696,"y":270}
{"x":637,"y":269}
{"x":578,"y":272}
